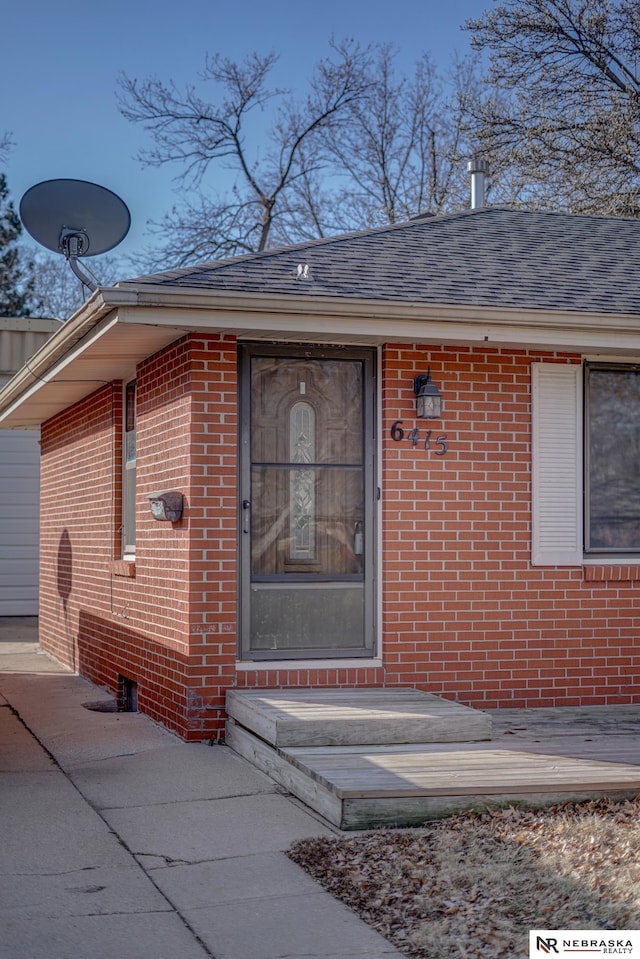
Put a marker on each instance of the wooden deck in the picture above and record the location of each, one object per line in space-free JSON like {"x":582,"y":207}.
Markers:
{"x":536,"y":758}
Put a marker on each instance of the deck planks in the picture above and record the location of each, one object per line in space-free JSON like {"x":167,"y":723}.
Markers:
{"x":537,"y":757}
{"x":422,"y":771}
{"x":341,"y":717}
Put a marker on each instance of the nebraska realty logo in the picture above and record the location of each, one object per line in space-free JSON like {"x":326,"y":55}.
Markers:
{"x":579,"y":943}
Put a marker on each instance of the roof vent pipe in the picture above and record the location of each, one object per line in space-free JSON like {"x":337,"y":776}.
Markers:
{"x":478,"y":168}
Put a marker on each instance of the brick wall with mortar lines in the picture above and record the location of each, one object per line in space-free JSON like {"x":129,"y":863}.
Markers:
{"x":79,"y":505}
{"x":213,"y":544}
{"x":160,"y":591}
{"x":465,"y":615}
{"x":109,"y":625}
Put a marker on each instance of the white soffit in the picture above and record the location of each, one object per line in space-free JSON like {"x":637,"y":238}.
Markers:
{"x":107,"y":354}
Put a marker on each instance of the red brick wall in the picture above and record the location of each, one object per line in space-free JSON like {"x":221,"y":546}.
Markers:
{"x":148,"y":627}
{"x":464,"y":614}
{"x":213,"y":544}
{"x":78,"y":518}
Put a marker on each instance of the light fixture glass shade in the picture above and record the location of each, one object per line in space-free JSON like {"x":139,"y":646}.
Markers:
{"x":428,"y":407}
{"x":428,"y":399}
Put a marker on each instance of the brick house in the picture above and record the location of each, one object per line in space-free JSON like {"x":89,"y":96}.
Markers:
{"x":328,"y":536}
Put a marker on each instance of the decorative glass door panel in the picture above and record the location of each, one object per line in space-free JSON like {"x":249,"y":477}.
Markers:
{"x":307,"y":503}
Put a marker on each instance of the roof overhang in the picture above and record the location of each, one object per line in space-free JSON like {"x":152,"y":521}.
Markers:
{"x":120,"y":326}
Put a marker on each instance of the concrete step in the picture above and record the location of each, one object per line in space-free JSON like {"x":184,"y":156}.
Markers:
{"x":354,"y":717}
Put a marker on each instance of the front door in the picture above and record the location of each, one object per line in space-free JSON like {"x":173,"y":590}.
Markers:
{"x":307,"y":502}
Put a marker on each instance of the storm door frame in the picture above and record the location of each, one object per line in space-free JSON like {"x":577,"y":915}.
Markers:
{"x":368,"y":357}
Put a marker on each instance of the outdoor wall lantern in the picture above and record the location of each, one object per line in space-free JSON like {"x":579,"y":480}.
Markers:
{"x":428,"y":399}
{"x":166,"y":506}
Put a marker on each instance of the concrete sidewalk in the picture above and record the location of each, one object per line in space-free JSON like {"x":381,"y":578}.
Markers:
{"x":118,"y":839}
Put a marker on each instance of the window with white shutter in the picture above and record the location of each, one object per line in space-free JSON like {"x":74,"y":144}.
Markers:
{"x":612,"y":458}
{"x":557,"y":538}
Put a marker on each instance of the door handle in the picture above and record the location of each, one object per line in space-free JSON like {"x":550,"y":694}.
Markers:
{"x":246,"y":515}
{"x":358,"y":538}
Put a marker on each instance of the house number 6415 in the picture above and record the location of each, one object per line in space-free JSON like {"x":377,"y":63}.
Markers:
{"x":398,"y":434}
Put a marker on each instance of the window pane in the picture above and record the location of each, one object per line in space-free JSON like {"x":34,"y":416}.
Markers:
{"x":129,"y":498}
{"x":613,"y":456}
{"x":129,"y":481}
{"x":130,"y":423}
{"x":302,"y":487}
{"x":130,"y":407}
{"x":287,"y":395}
{"x":306,"y":520}
{"x":312,"y":618}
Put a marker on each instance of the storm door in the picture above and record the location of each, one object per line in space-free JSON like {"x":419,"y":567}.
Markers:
{"x":307,"y":503}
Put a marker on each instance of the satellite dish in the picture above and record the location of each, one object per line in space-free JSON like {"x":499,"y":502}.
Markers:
{"x":75,"y":218}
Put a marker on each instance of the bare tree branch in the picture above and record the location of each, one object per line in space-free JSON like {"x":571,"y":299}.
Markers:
{"x":57,"y":291}
{"x":363,"y":146}
{"x":563,"y":105}
{"x":6,"y":143}
{"x":193,"y":133}
{"x":400,"y":153}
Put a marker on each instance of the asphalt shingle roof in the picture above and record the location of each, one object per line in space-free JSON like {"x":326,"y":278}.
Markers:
{"x":488,"y":257}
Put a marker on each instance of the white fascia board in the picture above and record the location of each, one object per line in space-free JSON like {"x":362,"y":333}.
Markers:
{"x":342,"y":320}
{"x":171,"y":313}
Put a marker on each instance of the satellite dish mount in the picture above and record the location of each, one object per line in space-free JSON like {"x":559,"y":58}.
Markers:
{"x":74,"y":244}
{"x":75,"y":218}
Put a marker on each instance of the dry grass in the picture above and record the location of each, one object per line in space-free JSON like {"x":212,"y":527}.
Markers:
{"x":475,"y":884}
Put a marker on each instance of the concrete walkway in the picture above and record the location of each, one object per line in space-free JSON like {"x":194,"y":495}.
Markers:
{"x":118,"y":839}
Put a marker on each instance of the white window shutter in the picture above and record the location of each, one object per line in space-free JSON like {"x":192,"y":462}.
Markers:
{"x":557,"y":464}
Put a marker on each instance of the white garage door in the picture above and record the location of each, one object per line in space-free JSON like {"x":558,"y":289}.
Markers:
{"x":19,"y":512}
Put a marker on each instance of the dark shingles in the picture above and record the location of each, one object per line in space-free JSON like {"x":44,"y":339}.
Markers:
{"x":489,"y":257}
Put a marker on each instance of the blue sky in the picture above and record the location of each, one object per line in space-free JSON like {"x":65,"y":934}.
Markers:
{"x":61,"y":63}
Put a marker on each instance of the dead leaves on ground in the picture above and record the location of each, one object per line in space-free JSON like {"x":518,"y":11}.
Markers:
{"x":475,"y":884}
